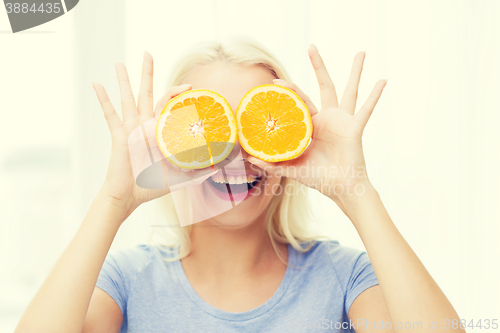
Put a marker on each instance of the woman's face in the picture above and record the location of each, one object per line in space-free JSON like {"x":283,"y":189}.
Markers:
{"x":232,"y":82}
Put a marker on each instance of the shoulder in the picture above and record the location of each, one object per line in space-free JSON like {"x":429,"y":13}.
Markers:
{"x":333,"y":258}
{"x":135,"y":259}
{"x":343,"y":256}
{"x":331,"y":251}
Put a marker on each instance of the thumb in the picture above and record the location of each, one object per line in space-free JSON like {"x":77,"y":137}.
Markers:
{"x":269,"y":167}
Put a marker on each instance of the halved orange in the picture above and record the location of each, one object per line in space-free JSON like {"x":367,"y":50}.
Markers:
{"x":196,"y":129}
{"x":274,"y":123}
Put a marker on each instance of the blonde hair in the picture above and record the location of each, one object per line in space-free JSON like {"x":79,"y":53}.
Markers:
{"x":289,"y":213}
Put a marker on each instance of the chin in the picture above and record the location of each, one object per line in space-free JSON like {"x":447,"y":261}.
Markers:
{"x":236,"y":199}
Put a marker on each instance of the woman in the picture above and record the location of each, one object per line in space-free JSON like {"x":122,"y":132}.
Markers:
{"x":253,"y":268}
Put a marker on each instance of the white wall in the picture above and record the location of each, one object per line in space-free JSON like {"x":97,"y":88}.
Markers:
{"x":431,"y":145}
{"x":36,"y":80}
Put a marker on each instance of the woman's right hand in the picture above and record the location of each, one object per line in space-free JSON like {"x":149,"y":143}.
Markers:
{"x":119,"y":186}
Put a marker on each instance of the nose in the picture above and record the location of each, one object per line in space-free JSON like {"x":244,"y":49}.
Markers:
{"x":244,"y":154}
{"x":237,"y":154}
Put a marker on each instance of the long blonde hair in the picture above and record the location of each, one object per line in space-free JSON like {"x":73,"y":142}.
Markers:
{"x":289,"y":213}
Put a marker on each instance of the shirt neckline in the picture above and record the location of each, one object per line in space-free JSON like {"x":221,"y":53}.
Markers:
{"x":239,"y":316}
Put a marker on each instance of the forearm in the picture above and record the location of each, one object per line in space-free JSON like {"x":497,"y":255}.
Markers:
{"x":61,"y":303}
{"x":410,"y":292}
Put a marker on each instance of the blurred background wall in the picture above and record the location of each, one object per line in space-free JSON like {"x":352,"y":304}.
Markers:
{"x":431,"y":145}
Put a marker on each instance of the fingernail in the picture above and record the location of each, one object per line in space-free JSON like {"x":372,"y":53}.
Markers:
{"x":185,"y":86}
{"x":279,"y":80}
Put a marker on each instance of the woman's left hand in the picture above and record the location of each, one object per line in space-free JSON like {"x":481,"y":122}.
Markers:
{"x":333,"y":163}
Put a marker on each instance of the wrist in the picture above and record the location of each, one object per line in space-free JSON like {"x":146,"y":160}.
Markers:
{"x":120,"y":206}
{"x":360,"y":194}
{"x":105,"y":214}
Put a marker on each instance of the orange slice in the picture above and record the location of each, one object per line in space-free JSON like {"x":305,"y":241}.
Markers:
{"x":274,"y":123}
{"x":196,"y":129}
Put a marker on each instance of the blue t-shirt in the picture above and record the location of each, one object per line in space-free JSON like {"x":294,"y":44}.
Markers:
{"x":156,"y":296}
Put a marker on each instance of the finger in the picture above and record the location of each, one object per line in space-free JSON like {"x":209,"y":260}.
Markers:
{"x":145,"y":99}
{"x":304,"y":97}
{"x":172,"y":92}
{"x":326,"y":87}
{"x":366,"y":110}
{"x":184,"y":176}
{"x":129,"y":108}
{"x":202,"y":176}
{"x":269,"y":167}
{"x":110,"y":114}
{"x":350,"y":95}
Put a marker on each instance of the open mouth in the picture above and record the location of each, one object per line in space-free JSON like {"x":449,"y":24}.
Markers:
{"x":234,"y":183}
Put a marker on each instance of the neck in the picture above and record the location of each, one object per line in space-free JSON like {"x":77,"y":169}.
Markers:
{"x":237,"y":252}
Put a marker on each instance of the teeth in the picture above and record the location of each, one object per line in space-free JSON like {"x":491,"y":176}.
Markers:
{"x":249,"y":179}
{"x":219,"y":178}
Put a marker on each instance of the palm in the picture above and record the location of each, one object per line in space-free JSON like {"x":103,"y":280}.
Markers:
{"x":334,"y":159}
{"x":120,"y":182}
{"x":336,"y":123}
{"x":120,"y":169}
